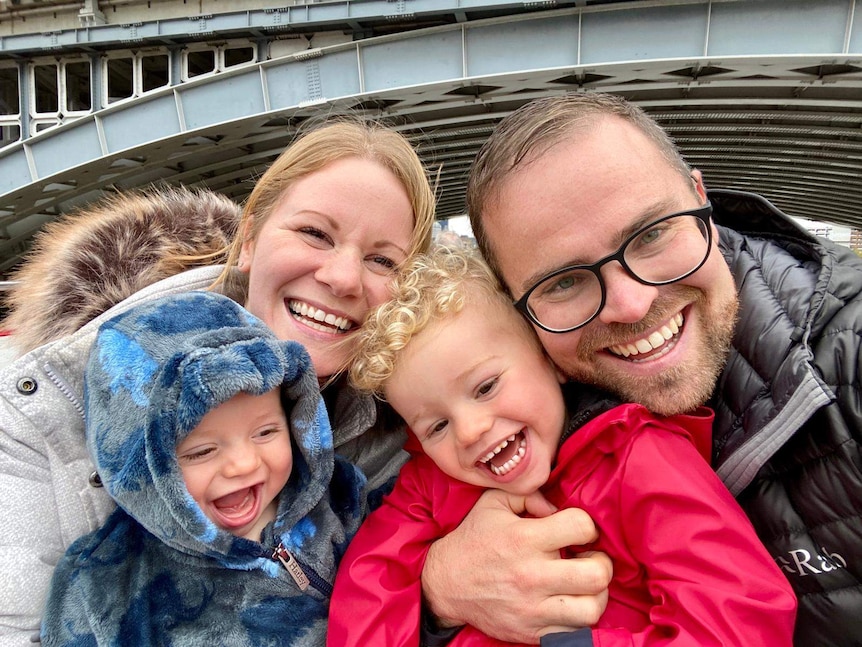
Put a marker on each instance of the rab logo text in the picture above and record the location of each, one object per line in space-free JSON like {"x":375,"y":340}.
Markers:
{"x":801,"y":562}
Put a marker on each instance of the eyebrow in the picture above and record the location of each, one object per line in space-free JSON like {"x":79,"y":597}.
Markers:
{"x":653,"y":212}
{"x":336,"y":225}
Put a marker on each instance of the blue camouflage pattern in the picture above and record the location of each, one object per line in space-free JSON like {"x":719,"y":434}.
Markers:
{"x":159,"y":572}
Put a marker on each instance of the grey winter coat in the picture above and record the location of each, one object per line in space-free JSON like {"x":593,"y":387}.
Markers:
{"x":788,"y":408}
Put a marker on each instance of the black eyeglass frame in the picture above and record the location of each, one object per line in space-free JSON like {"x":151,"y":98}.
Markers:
{"x":703,"y":213}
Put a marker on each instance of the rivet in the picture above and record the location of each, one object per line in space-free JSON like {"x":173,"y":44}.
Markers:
{"x":27,"y":386}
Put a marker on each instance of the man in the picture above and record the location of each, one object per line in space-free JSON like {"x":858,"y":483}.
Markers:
{"x":758,"y":319}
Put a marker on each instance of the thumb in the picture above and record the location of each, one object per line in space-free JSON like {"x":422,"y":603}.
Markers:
{"x":535,"y":504}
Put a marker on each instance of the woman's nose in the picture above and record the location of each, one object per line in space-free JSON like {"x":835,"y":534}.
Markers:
{"x":342,"y":272}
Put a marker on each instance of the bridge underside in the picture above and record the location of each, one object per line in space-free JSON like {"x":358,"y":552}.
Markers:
{"x":762,"y":96}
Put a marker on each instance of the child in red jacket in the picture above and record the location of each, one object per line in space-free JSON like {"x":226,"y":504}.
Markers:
{"x":484,"y":404}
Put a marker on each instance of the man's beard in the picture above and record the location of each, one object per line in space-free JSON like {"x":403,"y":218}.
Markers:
{"x":682,"y":388}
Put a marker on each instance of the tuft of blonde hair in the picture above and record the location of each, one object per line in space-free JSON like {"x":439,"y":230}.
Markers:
{"x":427,"y":288}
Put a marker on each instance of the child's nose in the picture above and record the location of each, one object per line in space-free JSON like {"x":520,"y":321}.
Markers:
{"x":243,"y":459}
{"x":471,"y":429}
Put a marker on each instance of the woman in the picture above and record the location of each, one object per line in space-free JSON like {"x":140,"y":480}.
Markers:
{"x":313,"y":252}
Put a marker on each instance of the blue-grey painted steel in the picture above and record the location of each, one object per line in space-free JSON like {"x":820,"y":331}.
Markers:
{"x":562,"y":39}
{"x":566,"y":41}
{"x":322,"y":15}
{"x":142,"y":121}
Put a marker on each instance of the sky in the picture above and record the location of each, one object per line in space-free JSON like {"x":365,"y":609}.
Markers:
{"x":840,"y":234}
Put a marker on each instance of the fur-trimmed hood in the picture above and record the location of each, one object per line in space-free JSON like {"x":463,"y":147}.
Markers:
{"x":91,"y":259}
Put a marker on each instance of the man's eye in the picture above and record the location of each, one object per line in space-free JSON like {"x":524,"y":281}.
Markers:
{"x":563,"y":285}
{"x":565,"y":282}
{"x":651,"y":236}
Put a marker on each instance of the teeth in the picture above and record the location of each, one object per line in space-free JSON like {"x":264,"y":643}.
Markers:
{"x":510,"y":464}
{"x":497,"y":449}
{"x":655,"y":340}
{"x":312,"y":314}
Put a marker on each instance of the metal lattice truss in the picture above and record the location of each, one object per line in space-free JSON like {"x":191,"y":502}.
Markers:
{"x":780,"y":120}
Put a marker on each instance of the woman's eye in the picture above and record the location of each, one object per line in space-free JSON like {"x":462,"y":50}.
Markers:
{"x":316,"y":233}
{"x":383,"y":262}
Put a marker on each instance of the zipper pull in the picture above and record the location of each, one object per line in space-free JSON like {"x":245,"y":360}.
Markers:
{"x":290,"y":564}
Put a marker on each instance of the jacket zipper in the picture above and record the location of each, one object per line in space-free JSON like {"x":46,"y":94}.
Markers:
{"x":64,"y":388}
{"x":301,"y":574}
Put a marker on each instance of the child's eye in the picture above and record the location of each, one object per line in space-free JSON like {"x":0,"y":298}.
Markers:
{"x":196,"y":455}
{"x":269,"y":432}
{"x":436,"y":428}
{"x":486,"y":387}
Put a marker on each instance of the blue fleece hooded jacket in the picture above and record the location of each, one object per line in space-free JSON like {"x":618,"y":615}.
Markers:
{"x":159,"y":572}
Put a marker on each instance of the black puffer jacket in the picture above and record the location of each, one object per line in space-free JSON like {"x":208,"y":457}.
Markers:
{"x":789,"y":409}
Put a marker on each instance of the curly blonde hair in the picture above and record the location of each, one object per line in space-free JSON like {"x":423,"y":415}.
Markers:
{"x":428,"y":288}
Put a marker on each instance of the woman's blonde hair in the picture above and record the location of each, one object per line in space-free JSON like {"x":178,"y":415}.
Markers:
{"x":428,"y":288}
{"x":344,"y":138}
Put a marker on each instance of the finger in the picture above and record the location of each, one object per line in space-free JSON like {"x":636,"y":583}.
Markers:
{"x":581,"y":576}
{"x":538,"y":506}
{"x":502,"y":500}
{"x":564,"y":528}
{"x":600,"y":560}
{"x":571,"y":612}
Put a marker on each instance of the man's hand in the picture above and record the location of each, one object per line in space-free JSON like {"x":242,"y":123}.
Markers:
{"x":503,"y":574}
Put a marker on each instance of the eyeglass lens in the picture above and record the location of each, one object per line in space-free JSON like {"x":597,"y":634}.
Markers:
{"x":664,"y":252}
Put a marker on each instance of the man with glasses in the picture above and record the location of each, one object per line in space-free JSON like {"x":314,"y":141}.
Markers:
{"x":638,"y":282}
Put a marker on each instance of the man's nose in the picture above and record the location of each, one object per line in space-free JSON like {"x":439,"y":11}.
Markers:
{"x":627,"y":300}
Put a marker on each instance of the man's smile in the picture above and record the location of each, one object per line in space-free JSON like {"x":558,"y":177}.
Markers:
{"x":657,"y":343}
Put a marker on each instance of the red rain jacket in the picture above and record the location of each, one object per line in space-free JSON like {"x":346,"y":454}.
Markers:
{"x":688,"y":567}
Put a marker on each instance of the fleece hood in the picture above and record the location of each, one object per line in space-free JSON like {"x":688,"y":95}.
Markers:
{"x":158,"y":571}
{"x":154,"y":372}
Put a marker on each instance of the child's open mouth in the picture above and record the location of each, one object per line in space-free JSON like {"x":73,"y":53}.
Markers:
{"x":238,"y":508}
{"x":506,"y":456}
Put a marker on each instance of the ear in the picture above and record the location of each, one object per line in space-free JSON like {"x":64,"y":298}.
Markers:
{"x":246,"y":253}
{"x":561,"y":377}
{"x":243,"y":264}
{"x":699,"y":188}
